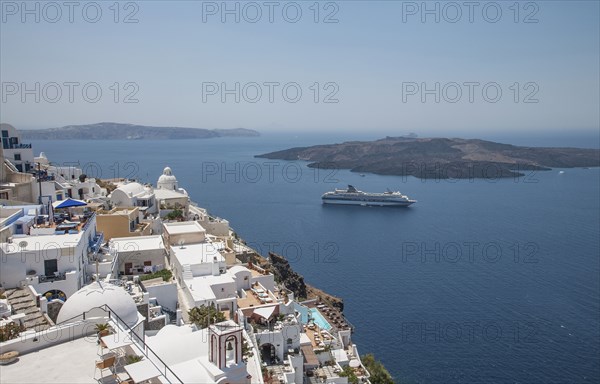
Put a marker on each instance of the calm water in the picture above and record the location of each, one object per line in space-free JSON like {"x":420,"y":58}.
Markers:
{"x":479,"y":282}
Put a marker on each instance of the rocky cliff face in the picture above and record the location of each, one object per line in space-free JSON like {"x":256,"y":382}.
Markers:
{"x":285,"y":275}
{"x":293,"y":281}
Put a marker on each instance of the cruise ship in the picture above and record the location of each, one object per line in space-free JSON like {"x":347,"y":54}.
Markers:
{"x":352,"y":196}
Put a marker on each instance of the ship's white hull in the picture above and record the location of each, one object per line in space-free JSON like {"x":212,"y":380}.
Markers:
{"x":368,"y":203}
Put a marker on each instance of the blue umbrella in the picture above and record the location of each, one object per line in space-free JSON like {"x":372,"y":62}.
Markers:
{"x":68,"y":203}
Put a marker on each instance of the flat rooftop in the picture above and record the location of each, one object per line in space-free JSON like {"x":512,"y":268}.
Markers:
{"x":71,"y":362}
{"x":8,"y":211}
{"x":119,"y":211}
{"x":201,"y":286}
{"x":36,"y":243}
{"x":160,"y":193}
{"x":198,"y":253}
{"x":183,"y":227}
{"x":138,"y":243}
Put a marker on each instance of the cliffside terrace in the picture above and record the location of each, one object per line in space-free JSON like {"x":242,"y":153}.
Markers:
{"x":62,"y":223}
{"x":256,"y":296}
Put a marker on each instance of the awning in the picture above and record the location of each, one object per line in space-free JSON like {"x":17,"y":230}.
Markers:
{"x":68,"y":203}
{"x":265,"y":312}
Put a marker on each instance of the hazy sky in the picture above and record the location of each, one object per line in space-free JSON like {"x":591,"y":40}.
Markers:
{"x":179,"y":60}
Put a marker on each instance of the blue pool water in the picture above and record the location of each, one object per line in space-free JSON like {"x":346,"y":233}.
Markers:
{"x":319,"y":319}
{"x":314,"y":314}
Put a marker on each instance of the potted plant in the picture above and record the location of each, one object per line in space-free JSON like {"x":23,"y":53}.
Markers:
{"x":102,"y":329}
{"x":132,"y":359}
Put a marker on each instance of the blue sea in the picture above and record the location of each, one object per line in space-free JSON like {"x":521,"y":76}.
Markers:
{"x":481,"y":281}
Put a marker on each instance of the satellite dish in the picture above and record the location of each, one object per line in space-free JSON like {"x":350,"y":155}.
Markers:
{"x":23,"y":244}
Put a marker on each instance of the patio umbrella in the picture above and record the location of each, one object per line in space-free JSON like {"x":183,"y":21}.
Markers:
{"x":68,"y":203}
{"x":50,"y":213}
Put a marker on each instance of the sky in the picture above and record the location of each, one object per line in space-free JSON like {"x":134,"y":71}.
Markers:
{"x":343,"y":66}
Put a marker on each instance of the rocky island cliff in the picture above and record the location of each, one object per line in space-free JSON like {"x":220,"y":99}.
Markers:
{"x":119,"y":131}
{"x":438,"y":158}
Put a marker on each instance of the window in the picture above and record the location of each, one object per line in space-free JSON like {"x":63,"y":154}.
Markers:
{"x":19,"y":167}
{"x":4,"y":133}
{"x":17,"y":157}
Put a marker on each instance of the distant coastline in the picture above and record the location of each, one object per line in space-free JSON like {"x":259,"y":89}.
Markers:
{"x":120,"y":131}
{"x":438,"y":158}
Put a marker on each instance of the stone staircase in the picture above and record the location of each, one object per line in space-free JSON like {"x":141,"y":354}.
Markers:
{"x":22,"y":301}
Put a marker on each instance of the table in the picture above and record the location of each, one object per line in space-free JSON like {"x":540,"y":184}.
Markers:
{"x":116,"y":341}
{"x":122,"y":376}
{"x":142,"y":371}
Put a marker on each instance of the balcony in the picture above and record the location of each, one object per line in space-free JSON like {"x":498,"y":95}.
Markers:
{"x":96,"y":242}
{"x":90,"y":219}
{"x":67,"y":282}
{"x":50,"y":279}
{"x":19,"y":146}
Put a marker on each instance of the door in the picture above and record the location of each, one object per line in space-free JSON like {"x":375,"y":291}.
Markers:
{"x":128,"y":267}
{"x":50,"y":267}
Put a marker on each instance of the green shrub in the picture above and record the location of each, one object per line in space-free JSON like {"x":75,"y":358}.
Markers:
{"x":132,"y":359}
{"x":203,"y":316}
{"x":175,"y":214}
{"x":10,"y":331}
{"x":164,"y":273}
{"x":379,"y":375}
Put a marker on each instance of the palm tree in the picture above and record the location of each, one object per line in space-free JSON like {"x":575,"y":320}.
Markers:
{"x":102,"y":329}
{"x":204,"y":316}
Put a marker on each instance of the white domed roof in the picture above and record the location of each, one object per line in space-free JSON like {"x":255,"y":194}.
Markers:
{"x":167,"y":180}
{"x":131,"y":189}
{"x":96,"y":295}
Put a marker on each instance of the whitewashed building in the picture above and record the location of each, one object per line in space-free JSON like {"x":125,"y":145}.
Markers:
{"x":17,"y":152}
{"x":50,"y":263}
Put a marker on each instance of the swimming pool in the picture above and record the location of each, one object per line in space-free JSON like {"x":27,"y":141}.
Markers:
{"x":319,"y":319}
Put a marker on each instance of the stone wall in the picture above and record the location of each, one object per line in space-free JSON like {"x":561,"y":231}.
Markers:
{"x":53,"y":309}
{"x":155,"y":325}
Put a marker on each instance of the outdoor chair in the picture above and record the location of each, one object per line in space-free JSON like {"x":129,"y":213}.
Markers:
{"x":112,"y":379}
{"x":104,"y":364}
